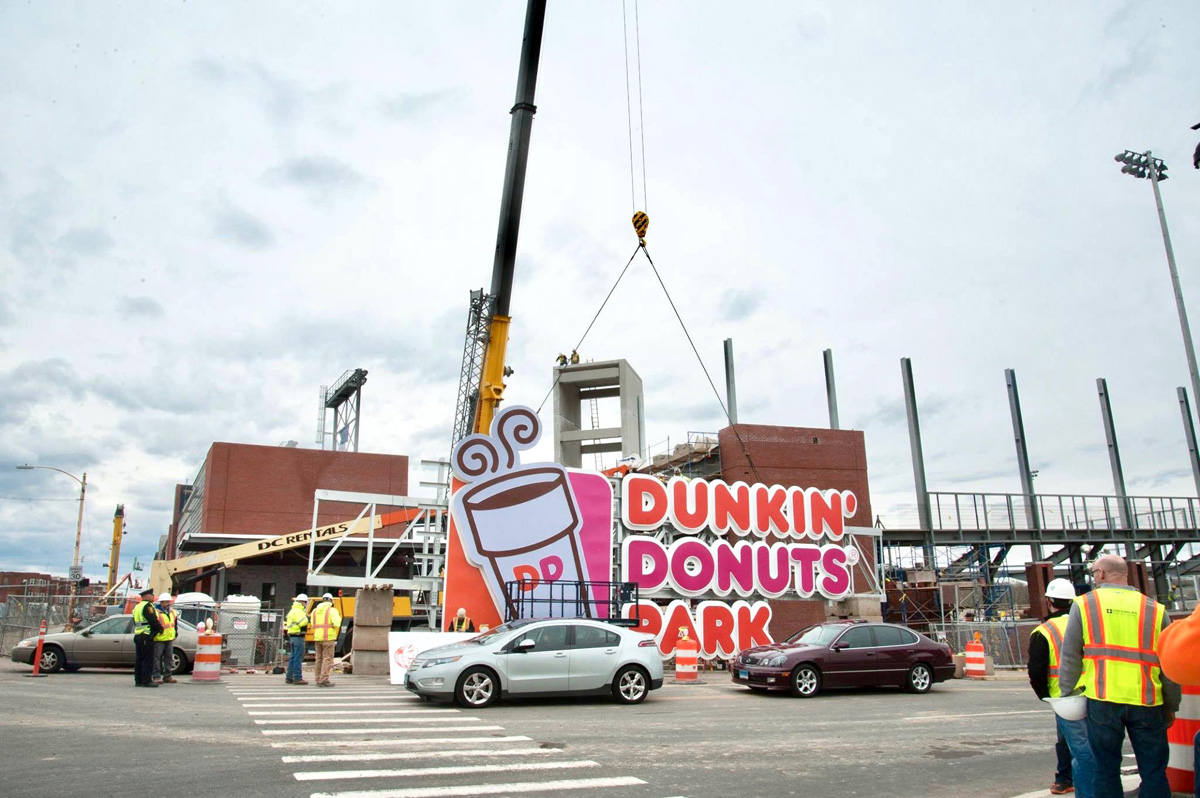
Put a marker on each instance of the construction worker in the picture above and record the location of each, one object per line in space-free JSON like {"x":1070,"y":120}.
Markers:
{"x":1076,"y":764}
{"x":326,"y":622}
{"x":297,"y":626}
{"x":145,"y":627}
{"x":164,"y":641}
{"x":461,"y":622}
{"x":1110,"y":649}
{"x":1177,"y":649}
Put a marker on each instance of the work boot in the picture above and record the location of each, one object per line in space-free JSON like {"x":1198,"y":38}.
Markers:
{"x":1058,"y":788}
{"x":169,"y":680}
{"x":324,"y":684}
{"x":289,"y":681}
{"x":150,"y":684}
{"x":299,"y":681}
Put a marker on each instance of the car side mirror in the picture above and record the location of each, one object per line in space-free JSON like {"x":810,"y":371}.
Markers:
{"x":840,"y":645}
{"x":86,"y":633}
{"x":525,"y":646}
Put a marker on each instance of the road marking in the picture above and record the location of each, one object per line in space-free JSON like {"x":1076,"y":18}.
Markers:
{"x":301,"y":693}
{"x":349,"y":712}
{"x":514,"y":788}
{"x":319,"y":705}
{"x":411,"y":739}
{"x":453,"y":770}
{"x":330,"y":697}
{"x":376,"y":757}
{"x":921,"y":718}
{"x":286,"y":721}
{"x":394,"y":729}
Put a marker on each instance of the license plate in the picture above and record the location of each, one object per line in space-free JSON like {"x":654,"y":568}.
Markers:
{"x":743,"y":674}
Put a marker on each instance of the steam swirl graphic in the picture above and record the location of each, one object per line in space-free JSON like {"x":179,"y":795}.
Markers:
{"x":517,"y":428}
{"x":475,"y":456}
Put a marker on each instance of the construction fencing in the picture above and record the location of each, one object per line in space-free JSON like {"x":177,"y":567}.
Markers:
{"x":22,"y":616}
{"x":1006,"y":642}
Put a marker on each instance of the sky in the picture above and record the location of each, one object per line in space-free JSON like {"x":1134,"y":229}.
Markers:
{"x":208,"y":210}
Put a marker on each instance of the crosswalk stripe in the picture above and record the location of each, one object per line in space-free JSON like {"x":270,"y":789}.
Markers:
{"x":330,"y":697}
{"x":286,"y":721}
{"x":378,"y":757}
{"x":513,"y":788}
{"x":319,"y":705}
{"x":391,"y":730}
{"x":412,"y":739}
{"x":347,"y":712}
{"x":454,"y":770}
{"x":292,"y":691}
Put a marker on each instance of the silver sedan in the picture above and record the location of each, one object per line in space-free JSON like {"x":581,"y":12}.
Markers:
{"x":540,"y":657}
{"x":108,"y":643}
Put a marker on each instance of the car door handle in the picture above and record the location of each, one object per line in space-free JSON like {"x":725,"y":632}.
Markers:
{"x":610,"y":651}
{"x":560,"y":654}
{"x":910,"y":651}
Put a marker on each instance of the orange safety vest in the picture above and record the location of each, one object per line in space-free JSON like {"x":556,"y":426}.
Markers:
{"x":1053,"y":631}
{"x":461,"y":624}
{"x":326,"y":623}
{"x":167,"y":619}
{"x":1120,"y":646}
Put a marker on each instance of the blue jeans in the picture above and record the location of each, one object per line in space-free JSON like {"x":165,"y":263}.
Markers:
{"x":1062,"y":752}
{"x":1083,"y":762}
{"x":1107,"y":724}
{"x":295,"y":658}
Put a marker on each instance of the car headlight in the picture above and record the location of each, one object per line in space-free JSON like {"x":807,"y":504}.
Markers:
{"x":429,"y":663}
{"x":775,"y":661}
{"x":29,"y":641}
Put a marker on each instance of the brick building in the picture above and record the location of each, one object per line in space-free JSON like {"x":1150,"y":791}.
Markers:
{"x":245,"y":493}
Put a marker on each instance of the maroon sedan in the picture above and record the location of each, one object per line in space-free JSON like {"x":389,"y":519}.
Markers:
{"x":846,"y":654}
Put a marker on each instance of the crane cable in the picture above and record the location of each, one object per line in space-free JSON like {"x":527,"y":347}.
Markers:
{"x":637,"y":32}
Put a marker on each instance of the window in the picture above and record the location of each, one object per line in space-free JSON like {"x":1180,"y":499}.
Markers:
{"x":816,"y":635}
{"x":267,"y":594}
{"x":858,"y":637}
{"x":233,"y":589}
{"x":595,"y":637}
{"x":891,"y":636}
{"x":112,"y":626}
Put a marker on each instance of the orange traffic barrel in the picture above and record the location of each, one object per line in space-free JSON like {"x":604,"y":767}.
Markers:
{"x":976,"y":664}
{"x":687,"y":657}
{"x":1180,"y":737}
{"x":207,"y":669}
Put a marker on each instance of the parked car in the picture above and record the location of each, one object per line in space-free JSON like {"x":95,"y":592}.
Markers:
{"x":107,"y":643}
{"x":540,"y":657}
{"x":846,"y":654}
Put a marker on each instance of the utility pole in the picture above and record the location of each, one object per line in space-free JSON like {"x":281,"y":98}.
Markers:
{"x":76,"y":573}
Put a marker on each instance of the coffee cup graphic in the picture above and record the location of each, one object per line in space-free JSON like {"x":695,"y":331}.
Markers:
{"x":520,"y":523}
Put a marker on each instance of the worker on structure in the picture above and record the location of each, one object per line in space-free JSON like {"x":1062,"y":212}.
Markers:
{"x":461,"y":622}
{"x":145,"y":627}
{"x":326,"y":622}
{"x":1076,"y":765}
{"x":1110,"y":649}
{"x":164,"y":641}
{"x":297,"y":626}
{"x":1179,"y":654}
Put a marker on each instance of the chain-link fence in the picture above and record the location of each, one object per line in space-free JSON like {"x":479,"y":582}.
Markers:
{"x":22,"y":616}
{"x":254,"y":637}
{"x":1004,"y":641}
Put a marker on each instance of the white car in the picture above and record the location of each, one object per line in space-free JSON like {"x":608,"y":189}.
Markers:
{"x":555,"y":656}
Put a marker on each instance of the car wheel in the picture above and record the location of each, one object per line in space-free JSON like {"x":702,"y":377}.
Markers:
{"x":630,"y":685}
{"x":920,"y":679}
{"x":179,"y":662}
{"x":52,"y":660}
{"x":477,"y":688}
{"x":806,"y":681}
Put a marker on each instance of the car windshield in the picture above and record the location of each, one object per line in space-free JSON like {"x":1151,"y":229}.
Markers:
{"x":816,"y":635}
{"x":491,"y":635}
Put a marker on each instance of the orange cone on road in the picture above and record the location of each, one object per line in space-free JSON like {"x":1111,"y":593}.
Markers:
{"x":976,"y":665}
{"x":687,"y":657}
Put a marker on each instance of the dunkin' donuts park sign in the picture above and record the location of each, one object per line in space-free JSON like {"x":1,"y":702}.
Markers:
{"x":545,"y":523}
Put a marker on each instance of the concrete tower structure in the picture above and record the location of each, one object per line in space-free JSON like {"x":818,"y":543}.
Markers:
{"x":578,"y":383}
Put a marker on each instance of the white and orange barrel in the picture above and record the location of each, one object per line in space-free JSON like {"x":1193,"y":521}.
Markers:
{"x":1180,"y":737}
{"x":976,"y":664}
{"x":207,"y":669}
{"x":687,"y":657}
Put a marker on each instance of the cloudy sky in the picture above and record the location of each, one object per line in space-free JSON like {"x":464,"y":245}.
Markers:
{"x":207,"y":210}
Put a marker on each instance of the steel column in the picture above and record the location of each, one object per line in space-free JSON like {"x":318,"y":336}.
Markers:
{"x":1014,"y":406}
{"x":918,"y":458}
{"x":1114,"y":458}
{"x":730,"y":384}
{"x":1189,"y":433}
{"x":831,"y":390}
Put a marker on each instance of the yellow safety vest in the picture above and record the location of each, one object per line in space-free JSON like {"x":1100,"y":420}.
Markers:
{"x":167,"y":619}
{"x":326,"y":621}
{"x":140,"y":625}
{"x":296,"y":620}
{"x":1120,"y":645}
{"x":461,"y":624}
{"x":1053,"y":631}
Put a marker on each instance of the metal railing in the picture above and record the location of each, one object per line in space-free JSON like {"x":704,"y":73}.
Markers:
{"x":1061,"y":512}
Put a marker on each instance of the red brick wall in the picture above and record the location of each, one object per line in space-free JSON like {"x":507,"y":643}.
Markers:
{"x":268,"y":490}
{"x":804,"y":457}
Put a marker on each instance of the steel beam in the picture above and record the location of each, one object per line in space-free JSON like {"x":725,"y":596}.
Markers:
{"x":1014,"y":406}
{"x":918,"y":457}
{"x":831,"y":390}
{"x":1189,"y":433}
{"x":1114,"y":459}
{"x":730,"y":384}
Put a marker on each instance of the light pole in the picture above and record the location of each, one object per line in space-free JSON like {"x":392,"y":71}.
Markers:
{"x":1145,"y":165}
{"x":76,"y":572}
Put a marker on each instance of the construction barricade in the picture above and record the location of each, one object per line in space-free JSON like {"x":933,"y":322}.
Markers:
{"x":687,"y":658}
{"x":207,"y":669}
{"x":976,"y":666}
{"x":1181,"y":738}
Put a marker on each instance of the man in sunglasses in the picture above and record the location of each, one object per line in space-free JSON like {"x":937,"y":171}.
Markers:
{"x":1110,"y":650}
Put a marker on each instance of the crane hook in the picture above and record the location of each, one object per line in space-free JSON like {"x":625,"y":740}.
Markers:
{"x":641,"y":223}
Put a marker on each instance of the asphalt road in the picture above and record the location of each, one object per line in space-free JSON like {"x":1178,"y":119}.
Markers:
{"x":92,"y":733}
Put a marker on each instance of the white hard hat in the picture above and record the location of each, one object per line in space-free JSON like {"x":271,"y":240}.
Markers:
{"x":302,"y":597}
{"x":1060,"y":589}
{"x":328,"y":596}
{"x":1069,"y":707}
{"x":164,"y":597}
